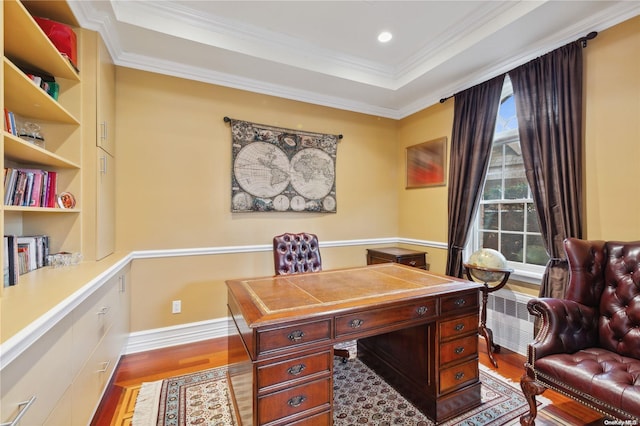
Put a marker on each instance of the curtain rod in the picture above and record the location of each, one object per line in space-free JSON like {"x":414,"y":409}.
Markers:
{"x":227,"y":120}
{"x":582,"y":40}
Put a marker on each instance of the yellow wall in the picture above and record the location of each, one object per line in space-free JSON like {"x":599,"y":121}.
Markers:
{"x":612,"y":133}
{"x":173,"y":189}
{"x":174,"y":158}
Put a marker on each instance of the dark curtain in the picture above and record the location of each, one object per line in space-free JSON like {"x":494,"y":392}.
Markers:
{"x":474,"y":121}
{"x":548,"y":96}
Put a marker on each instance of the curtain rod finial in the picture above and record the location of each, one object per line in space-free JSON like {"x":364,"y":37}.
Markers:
{"x":585,"y":39}
{"x":226,"y":119}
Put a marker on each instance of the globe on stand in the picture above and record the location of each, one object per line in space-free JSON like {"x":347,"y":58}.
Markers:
{"x":489,"y":267}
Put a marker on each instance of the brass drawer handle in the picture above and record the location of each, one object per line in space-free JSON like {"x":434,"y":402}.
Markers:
{"x":296,"y":369}
{"x":422,"y":310}
{"x":459,"y":302}
{"x":459,"y":350}
{"x":459,"y":327}
{"x":412,"y":263}
{"x":459,"y":375}
{"x":296,"y":336}
{"x":356,"y":323}
{"x":296,"y":401}
{"x":22,"y":407}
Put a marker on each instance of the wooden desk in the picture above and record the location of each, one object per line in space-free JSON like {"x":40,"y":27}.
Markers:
{"x":414,"y":258}
{"x":416,"y":329}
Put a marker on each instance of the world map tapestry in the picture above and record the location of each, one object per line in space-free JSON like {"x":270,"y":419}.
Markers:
{"x":282,"y":170}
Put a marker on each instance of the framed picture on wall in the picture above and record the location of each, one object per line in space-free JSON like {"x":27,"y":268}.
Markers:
{"x":426,"y":164}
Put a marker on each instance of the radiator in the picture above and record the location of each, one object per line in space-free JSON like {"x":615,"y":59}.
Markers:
{"x":508,"y":318}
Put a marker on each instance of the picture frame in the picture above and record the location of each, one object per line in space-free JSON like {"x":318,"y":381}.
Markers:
{"x":426,"y":164}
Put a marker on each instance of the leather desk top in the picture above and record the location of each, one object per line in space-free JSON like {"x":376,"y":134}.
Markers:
{"x":273,"y":299}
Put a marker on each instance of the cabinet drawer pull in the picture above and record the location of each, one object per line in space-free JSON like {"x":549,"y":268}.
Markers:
{"x":459,"y":302}
{"x":422,"y":310}
{"x":459,"y":327}
{"x":356,"y":323}
{"x":459,"y":375}
{"x":106,"y":366}
{"x":22,"y":410}
{"x":412,"y":263}
{"x":103,"y":310}
{"x":296,"y":401}
{"x":459,"y":350}
{"x":296,"y":369}
{"x":296,"y":336}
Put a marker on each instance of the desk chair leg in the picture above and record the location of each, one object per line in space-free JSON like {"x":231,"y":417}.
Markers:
{"x":342,"y":353}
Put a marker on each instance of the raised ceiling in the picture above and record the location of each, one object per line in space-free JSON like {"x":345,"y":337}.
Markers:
{"x":326,"y":52}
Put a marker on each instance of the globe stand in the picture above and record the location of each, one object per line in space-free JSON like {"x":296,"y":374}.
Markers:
{"x":486,"y":289}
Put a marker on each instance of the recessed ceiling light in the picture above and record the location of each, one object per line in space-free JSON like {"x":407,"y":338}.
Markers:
{"x":384,"y":36}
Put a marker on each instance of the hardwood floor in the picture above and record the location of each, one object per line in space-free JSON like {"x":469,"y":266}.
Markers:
{"x":162,"y":363}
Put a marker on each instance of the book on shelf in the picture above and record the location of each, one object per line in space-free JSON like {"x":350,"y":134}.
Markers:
{"x":30,"y":187}
{"x":23,"y":254}
{"x":10,"y":122}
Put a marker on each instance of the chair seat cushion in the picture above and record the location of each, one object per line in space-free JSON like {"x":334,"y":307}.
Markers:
{"x":595,"y":373}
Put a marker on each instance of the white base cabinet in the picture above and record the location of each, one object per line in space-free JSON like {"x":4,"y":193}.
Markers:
{"x":67,"y":370}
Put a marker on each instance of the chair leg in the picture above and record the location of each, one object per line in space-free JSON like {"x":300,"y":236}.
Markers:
{"x":530,"y":388}
{"x":342,"y":353}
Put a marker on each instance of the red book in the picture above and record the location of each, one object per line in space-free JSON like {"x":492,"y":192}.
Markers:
{"x":52,"y":186}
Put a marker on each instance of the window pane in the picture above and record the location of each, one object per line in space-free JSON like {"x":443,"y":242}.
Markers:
{"x":536,"y":253}
{"x":489,"y":240}
{"x":492,"y":189}
{"x":515,"y":188}
{"x":489,"y":216}
{"x":495,"y":162}
{"x":513,"y":217}
{"x":512,"y":247}
{"x":532,"y":218}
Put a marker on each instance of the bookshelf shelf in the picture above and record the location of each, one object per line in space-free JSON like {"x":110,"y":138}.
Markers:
{"x":16,"y":149}
{"x":39,"y":209}
{"x":40,"y":53}
{"x":23,"y":97}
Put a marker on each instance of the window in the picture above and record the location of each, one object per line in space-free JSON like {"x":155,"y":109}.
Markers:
{"x":506,"y":220}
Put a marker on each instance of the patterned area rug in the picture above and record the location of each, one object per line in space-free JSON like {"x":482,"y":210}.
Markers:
{"x":360,"y":398}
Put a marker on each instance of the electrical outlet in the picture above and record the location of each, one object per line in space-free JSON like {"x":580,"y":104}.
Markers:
{"x":176,"y":307}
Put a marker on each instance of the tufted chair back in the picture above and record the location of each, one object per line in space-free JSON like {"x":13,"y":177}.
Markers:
{"x":606,"y":276}
{"x":296,"y":253}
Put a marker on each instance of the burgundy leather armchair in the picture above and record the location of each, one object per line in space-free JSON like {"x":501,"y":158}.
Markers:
{"x":588,"y":345}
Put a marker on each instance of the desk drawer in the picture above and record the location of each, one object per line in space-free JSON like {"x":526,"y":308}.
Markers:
{"x":294,"y":369}
{"x":459,"y":327}
{"x":459,"y":375}
{"x":463,"y":301}
{"x":296,"y":335}
{"x":368,"y":320}
{"x":458,"y":349}
{"x":294,"y":400}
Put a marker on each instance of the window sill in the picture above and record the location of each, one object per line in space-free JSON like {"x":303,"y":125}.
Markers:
{"x":526,"y":276}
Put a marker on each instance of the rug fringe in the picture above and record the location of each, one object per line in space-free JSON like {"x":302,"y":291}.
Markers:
{"x":147,"y":404}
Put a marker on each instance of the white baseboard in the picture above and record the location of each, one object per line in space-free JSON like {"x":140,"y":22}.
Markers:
{"x":158,"y":338}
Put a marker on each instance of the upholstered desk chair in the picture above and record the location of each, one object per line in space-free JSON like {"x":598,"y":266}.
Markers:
{"x":298,"y":254}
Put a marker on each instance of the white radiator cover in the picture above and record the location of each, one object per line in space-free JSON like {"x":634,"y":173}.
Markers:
{"x":508,"y":318}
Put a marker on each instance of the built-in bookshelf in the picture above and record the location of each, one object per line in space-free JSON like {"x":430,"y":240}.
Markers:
{"x":29,"y":57}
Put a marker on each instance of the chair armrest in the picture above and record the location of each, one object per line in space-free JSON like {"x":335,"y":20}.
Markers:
{"x":566,"y":327}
